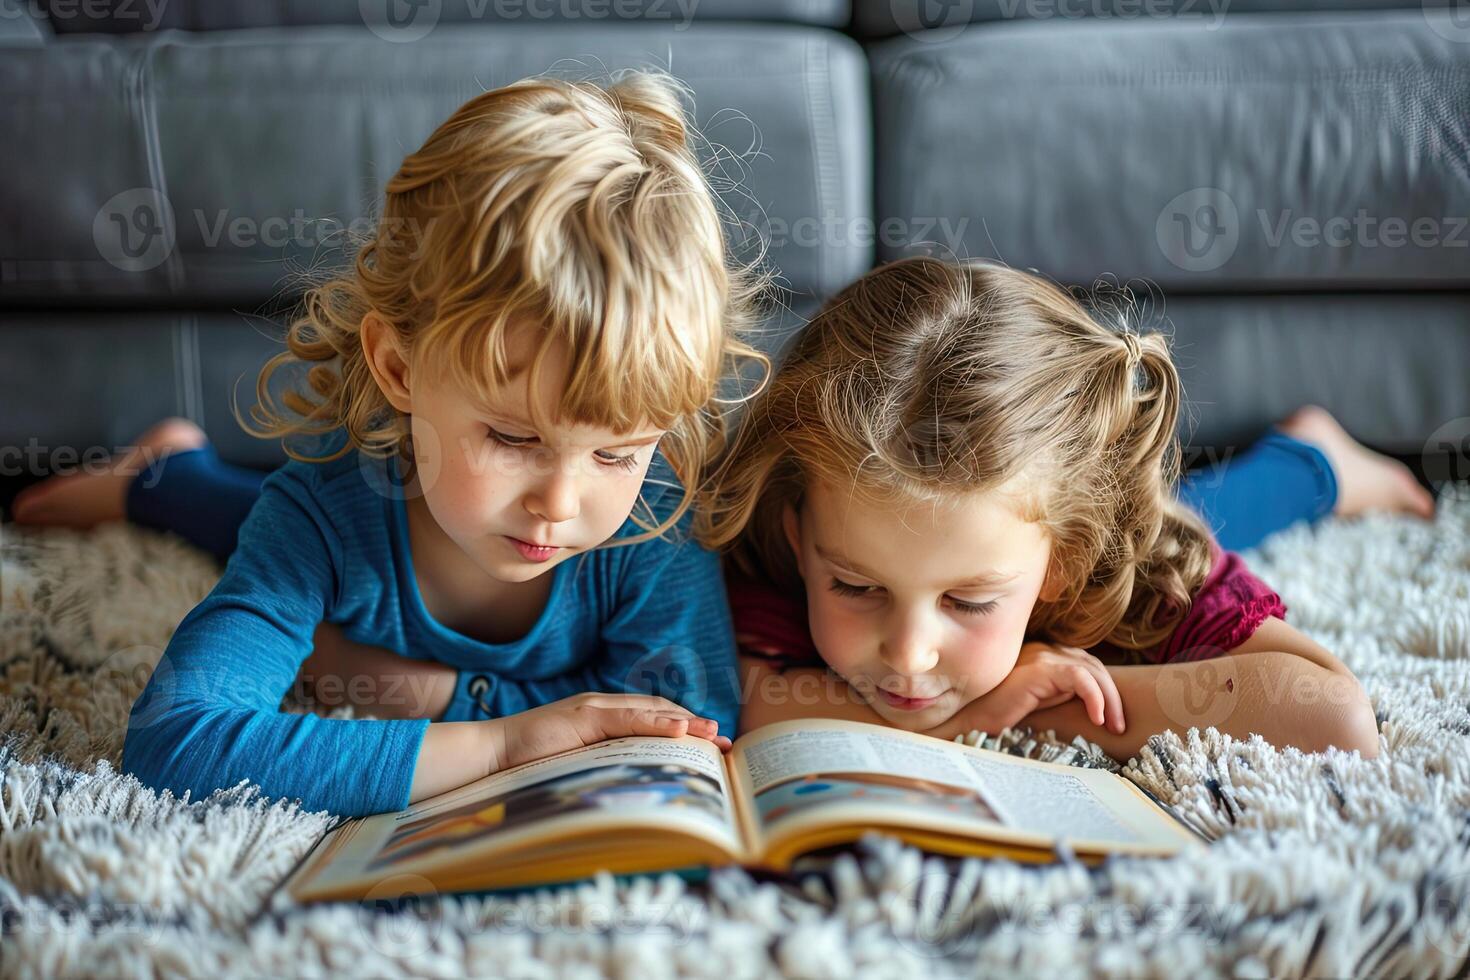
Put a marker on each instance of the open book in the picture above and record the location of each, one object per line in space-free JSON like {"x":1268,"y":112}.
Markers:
{"x":635,"y":805}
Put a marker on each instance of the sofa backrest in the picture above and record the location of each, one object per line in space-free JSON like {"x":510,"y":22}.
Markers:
{"x":1283,"y":182}
{"x":1288,"y":191}
{"x":183,"y":178}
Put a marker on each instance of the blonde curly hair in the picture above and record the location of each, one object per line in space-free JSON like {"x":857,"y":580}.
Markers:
{"x":927,"y":378}
{"x":578,"y":208}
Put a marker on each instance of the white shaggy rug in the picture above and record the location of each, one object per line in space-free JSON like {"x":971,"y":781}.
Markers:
{"x":1327,"y":865}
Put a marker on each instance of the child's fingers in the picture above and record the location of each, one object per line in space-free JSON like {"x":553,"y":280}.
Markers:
{"x":1051,"y":702}
{"x":1112,"y":718}
{"x":1106,"y":709}
{"x":621,"y":722}
{"x":640,"y":702}
{"x":703,"y":727}
{"x":1086,"y":687}
{"x":664,"y":708}
{"x":1116,"y":721}
{"x":651,"y":723}
{"x":691,"y":724}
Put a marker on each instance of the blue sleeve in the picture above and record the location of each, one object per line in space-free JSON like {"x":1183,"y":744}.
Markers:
{"x":670,"y":635}
{"x":210,"y":715}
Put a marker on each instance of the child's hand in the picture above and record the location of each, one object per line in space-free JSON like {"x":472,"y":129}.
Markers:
{"x":585,"y":719}
{"x":1045,"y":675}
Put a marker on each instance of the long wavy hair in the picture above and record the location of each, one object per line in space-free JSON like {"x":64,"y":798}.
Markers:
{"x":578,"y":208}
{"x":927,"y":378}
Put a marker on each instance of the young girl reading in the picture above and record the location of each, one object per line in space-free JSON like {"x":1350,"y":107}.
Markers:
{"x":515,"y":374}
{"x":957,"y":492}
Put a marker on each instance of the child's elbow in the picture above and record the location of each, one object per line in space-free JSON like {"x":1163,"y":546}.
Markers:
{"x":1345,"y":719}
{"x":1357,"y":730}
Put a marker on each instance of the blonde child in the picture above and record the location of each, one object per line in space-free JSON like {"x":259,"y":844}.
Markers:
{"x":515,"y":373}
{"x":957,"y":492}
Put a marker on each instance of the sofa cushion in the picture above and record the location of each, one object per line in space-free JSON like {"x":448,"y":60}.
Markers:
{"x":79,"y":384}
{"x":410,"y":17}
{"x":931,"y":20}
{"x":1390,"y":366}
{"x":1286,"y":151}
{"x":22,"y":24}
{"x":178,"y":168}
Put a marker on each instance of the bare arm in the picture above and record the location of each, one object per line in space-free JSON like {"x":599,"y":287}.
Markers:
{"x":1279,"y":684}
{"x":768,"y":696}
{"x":378,"y":682}
{"x":453,"y":753}
{"x":384,"y":684}
{"x":374,"y":680}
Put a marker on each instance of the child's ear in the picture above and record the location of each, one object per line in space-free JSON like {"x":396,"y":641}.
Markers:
{"x":791,"y":524}
{"x":385,"y":361}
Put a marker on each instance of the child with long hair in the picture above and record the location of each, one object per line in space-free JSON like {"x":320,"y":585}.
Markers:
{"x":518,"y":371}
{"x":958,"y":492}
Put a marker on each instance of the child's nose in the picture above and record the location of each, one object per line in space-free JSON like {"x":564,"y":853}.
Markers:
{"x":909,"y":648}
{"x":557,"y":498}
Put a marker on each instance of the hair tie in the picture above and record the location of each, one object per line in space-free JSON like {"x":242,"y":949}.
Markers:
{"x":1135,"y":349}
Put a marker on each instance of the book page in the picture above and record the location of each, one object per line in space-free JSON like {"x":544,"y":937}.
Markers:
{"x":643,"y":783}
{"x":1058,"y":804}
{"x":798,"y":775}
{"x":805,"y":751}
{"x":871,"y":774}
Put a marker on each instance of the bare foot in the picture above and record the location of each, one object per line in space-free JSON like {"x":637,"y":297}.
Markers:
{"x":84,"y":499}
{"x":1365,"y":480}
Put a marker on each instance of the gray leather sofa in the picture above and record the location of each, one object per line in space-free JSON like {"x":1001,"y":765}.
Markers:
{"x":1288,"y":182}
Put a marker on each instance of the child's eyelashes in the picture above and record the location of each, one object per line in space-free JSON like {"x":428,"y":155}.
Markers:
{"x":515,"y":442}
{"x":847,"y":589}
{"x":628,"y":462}
{"x":973,"y":608}
{"x":859,"y":591}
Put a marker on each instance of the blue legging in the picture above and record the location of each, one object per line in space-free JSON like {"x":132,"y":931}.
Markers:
{"x":1277,"y":482}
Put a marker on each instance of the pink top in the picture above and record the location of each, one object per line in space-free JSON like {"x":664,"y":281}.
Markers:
{"x":1230,"y":606}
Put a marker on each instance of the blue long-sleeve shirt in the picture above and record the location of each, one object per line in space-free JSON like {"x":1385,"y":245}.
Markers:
{"x":329,"y":542}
